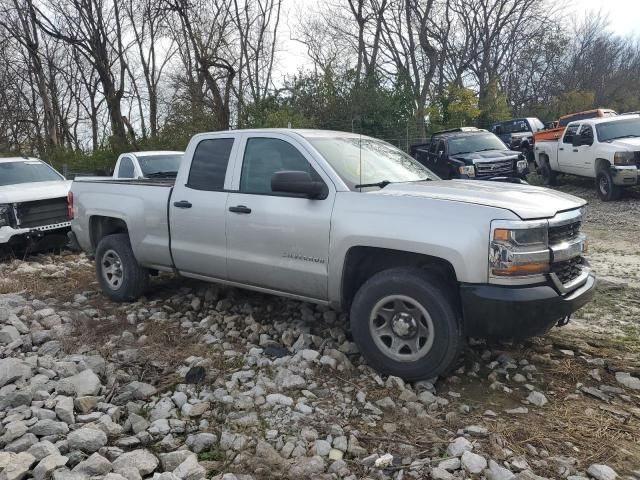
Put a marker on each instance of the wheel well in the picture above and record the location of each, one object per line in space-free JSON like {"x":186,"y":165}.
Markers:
{"x":100,"y":227}
{"x":602,"y":164}
{"x":362,"y":263}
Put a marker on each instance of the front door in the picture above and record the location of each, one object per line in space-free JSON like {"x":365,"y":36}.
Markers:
{"x":567,"y":153}
{"x":198,"y":207}
{"x":277,"y":241}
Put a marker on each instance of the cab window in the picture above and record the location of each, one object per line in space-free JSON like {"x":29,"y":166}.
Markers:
{"x":265,"y":156}
{"x":569,"y":133}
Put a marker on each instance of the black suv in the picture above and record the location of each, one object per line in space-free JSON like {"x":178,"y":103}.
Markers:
{"x":470,"y":152}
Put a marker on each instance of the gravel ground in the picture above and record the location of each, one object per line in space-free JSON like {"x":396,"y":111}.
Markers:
{"x":198,"y":381}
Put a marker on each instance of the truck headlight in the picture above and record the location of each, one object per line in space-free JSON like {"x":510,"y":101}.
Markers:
{"x":5,"y":215}
{"x":519,"y":249}
{"x":522,"y":165}
{"x":468,"y":170}
{"x":624,"y":159}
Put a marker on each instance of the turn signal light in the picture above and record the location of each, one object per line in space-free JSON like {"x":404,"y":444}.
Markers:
{"x":524,"y":269}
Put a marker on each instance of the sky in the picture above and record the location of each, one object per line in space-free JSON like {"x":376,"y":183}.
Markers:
{"x":624,"y":16}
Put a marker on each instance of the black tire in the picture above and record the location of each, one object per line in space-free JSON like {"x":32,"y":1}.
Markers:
{"x":133,"y":278}
{"x":548,"y":175}
{"x":607,"y":190}
{"x":419,"y":287}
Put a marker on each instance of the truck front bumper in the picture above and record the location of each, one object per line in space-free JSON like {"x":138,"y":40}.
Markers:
{"x":625,"y":175}
{"x":492,"y":311}
{"x":13,"y":236}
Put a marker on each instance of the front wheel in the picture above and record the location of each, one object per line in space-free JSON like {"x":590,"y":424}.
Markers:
{"x":548,"y":175}
{"x":118,"y":272}
{"x":607,"y":190}
{"x":405,"y":325}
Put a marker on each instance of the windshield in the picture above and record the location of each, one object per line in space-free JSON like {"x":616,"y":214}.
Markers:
{"x":365,"y":161}
{"x":151,"y":164}
{"x":475,"y":143}
{"x":622,"y":128}
{"x":28,"y":171}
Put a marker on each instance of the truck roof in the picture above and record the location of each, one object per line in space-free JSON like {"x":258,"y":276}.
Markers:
{"x":599,"y":120}
{"x":19,"y":159}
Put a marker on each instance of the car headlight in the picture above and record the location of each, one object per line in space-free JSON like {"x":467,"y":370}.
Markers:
{"x":519,"y":249}
{"x":624,"y":159}
{"x":468,"y":170}
{"x":522,"y":165}
{"x":5,"y":215}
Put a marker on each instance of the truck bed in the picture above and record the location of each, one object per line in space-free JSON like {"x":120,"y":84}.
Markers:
{"x":140,"y":204}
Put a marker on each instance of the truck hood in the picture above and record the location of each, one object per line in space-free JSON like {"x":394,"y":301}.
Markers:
{"x":526,"y":201}
{"x":488,"y":156}
{"x":632,"y":144}
{"x":27,"y":192}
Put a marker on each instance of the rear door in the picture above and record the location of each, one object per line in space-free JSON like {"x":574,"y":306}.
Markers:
{"x":278,"y":241}
{"x":197,"y":207}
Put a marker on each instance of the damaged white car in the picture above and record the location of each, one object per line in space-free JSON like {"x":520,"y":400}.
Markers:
{"x":33,"y":204}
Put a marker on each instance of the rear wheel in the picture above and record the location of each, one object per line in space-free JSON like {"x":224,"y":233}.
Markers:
{"x":548,"y":175}
{"x":118,"y":272}
{"x":405,"y":325}
{"x":607,"y":190}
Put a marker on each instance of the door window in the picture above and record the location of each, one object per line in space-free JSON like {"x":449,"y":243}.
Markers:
{"x":265,"y":156}
{"x":569,"y":133}
{"x":586,"y":132}
{"x":126,"y":169}
{"x":209,"y":164}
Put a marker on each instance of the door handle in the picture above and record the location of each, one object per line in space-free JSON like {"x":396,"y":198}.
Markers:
{"x":240,"y":209}
{"x":182,"y":204}
{"x":575,"y":149}
{"x":561,"y":148}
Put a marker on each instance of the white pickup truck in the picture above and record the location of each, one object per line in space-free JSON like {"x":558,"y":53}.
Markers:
{"x":607,"y":149}
{"x":33,"y":204}
{"x":352,"y":222}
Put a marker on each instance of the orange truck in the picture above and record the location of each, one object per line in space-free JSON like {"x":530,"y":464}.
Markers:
{"x":555,"y":133}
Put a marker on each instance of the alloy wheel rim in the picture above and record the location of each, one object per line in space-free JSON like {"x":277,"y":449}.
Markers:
{"x":112,"y":270}
{"x":401,"y":328}
{"x":604,"y":185}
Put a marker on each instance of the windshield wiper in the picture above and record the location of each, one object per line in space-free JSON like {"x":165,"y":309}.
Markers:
{"x":162,"y":174}
{"x":485,"y":150}
{"x":380,"y":184}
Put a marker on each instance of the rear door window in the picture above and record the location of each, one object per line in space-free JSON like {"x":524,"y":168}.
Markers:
{"x":126,"y":169}
{"x":209,"y":164}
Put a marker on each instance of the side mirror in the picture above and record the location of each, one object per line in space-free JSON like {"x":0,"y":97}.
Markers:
{"x":298,"y":182}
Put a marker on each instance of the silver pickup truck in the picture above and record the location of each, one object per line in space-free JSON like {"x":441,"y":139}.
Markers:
{"x":351,"y":222}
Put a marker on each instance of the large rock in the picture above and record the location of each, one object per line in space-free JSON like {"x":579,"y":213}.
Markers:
{"x":43,"y":449}
{"x":18,"y":466}
{"x":93,"y":466}
{"x":627,"y":380}
{"x":47,"y":465}
{"x":305,"y":467}
{"x":602,"y":472}
{"x":87,"y":439}
{"x":170,"y":461}
{"x":190,"y":469}
{"x":82,"y":384}
{"x":142,"y":460}
{"x":458,"y":447}
{"x":498,"y":472}
{"x":45,"y":428}
{"x":8,"y":334}
{"x":286,"y":380}
{"x":201,"y":441}
{"x":472,"y":462}
{"x":64,"y":409}
{"x":538,"y":399}
{"x":12,"y":369}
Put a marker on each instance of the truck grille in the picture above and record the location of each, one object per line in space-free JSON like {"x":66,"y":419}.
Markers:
{"x":564,"y":233}
{"x":568,"y":270}
{"x":41,"y":213}
{"x":494,"y":169}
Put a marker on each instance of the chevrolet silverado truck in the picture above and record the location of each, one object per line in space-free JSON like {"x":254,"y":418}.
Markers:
{"x":353,"y":223}
{"x":33,"y":204}
{"x":470,"y":153}
{"x":606,"y":149}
